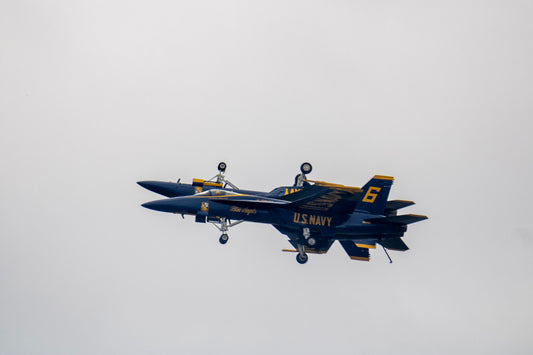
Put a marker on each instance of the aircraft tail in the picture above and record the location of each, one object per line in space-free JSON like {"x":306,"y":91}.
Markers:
{"x":375,"y":194}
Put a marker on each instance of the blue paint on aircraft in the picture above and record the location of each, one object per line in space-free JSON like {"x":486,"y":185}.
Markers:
{"x":313,"y":214}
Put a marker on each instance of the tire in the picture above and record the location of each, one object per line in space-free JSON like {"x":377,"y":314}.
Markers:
{"x":301,"y":259}
{"x":223,"y":239}
{"x":306,"y":168}
{"x":222,"y":166}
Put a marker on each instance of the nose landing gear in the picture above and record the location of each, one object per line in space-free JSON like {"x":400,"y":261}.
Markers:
{"x":299,"y":180}
{"x":220,"y":178}
{"x":224,"y":225}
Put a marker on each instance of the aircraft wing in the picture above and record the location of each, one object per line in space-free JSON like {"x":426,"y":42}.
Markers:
{"x":251,"y":202}
{"x":325,"y":198}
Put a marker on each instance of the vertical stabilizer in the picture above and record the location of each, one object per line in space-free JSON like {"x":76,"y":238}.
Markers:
{"x":375,"y":194}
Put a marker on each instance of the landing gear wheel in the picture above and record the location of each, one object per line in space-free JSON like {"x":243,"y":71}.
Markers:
{"x":311,"y":241}
{"x":222,"y":166}
{"x":301,"y":258}
{"x":306,"y":168}
{"x":223,"y":239}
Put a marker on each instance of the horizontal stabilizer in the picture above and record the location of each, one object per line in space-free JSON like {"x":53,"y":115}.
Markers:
{"x":392,"y":206}
{"x":394,"y":244}
{"x":403,"y":219}
{"x":354,"y":252}
{"x":366,"y":243}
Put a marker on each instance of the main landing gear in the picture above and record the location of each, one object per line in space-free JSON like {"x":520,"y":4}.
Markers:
{"x":223,"y":238}
{"x":310,"y":241}
{"x":301,"y":257}
{"x":305,"y":240}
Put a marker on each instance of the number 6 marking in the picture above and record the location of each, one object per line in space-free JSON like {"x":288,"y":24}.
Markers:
{"x":371,"y":194}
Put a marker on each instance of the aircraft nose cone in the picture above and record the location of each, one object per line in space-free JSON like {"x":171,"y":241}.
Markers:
{"x":168,"y":189}
{"x":159,"y":187}
{"x":173,"y":205}
{"x":159,"y":205}
{"x":150,"y":205}
{"x":149,"y":185}
{"x":143,"y":183}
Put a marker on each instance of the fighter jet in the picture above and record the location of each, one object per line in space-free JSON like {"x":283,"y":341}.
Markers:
{"x":313,"y":214}
{"x":219,"y":181}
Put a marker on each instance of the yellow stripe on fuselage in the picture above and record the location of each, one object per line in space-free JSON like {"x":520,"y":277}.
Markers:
{"x":217,"y":184}
{"x":206,"y":183}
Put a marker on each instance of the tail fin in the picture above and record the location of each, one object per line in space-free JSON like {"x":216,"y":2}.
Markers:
{"x":375,"y":194}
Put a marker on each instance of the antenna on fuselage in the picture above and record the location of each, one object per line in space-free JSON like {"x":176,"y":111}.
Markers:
{"x":386,"y":252}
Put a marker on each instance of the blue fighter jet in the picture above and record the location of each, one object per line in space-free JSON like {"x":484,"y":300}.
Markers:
{"x":219,"y":181}
{"x":313,"y":214}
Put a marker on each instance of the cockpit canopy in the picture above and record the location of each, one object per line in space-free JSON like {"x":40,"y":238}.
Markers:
{"x":216,"y":192}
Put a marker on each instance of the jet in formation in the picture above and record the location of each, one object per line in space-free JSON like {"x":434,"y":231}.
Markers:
{"x":312,"y":214}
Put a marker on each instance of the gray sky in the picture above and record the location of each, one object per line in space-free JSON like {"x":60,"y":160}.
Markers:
{"x":95,"y":96}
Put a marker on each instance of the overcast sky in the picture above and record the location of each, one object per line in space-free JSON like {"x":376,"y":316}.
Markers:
{"x":96,"y":95}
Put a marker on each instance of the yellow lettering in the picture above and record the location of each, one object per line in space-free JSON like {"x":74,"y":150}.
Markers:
{"x":371,"y":194}
{"x":312,"y":219}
